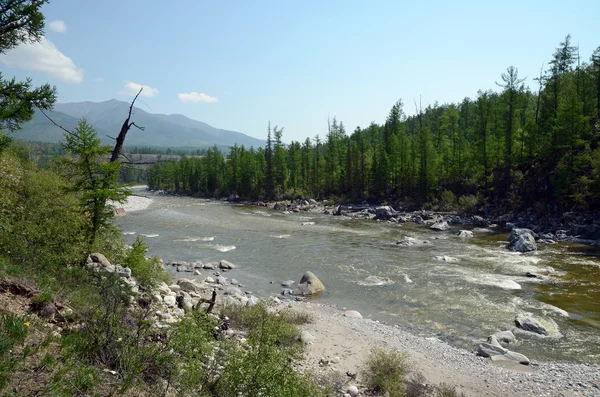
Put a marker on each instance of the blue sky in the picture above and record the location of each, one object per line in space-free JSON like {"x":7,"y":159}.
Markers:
{"x":294,"y":63}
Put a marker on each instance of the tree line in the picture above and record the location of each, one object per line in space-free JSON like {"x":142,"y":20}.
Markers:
{"x":509,"y":147}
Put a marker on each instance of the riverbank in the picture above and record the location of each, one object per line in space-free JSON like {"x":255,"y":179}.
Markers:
{"x":351,"y":339}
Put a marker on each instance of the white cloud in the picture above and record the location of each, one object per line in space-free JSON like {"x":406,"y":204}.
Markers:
{"x":58,"y":26}
{"x":43,"y":57}
{"x":132,"y":89}
{"x":194,"y":97}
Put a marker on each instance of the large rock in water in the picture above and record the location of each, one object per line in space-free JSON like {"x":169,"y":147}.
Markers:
{"x":384,"y":212}
{"x":522,"y":240}
{"x":441,"y":226}
{"x":530,"y":324}
{"x":496,"y":352}
{"x":309,"y":285}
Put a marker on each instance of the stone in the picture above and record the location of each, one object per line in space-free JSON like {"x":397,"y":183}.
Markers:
{"x":188,"y":285}
{"x":226,"y":265}
{"x":410,"y":241}
{"x":306,"y":337}
{"x":527,"y":323}
{"x":197,"y":273}
{"x":184,"y":269}
{"x":522,"y":240}
{"x":496,"y":352}
{"x":352,"y":390}
{"x":352,"y":314}
{"x":197,"y":265}
{"x":440,"y":226}
{"x":445,"y":258}
{"x":465,"y":234}
{"x":505,"y":337}
{"x":123,"y":271}
{"x":170,"y":300}
{"x":221,"y":280}
{"x":252,"y":301}
{"x":97,"y":257}
{"x":209,"y":280}
{"x":233,"y":197}
{"x":208,"y":266}
{"x":287,"y":283}
{"x":234,"y":281}
{"x":231,"y":290}
{"x":384,"y":212}
{"x":480,"y":221}
{"x":309,"y":285}
{"x":163,"y":288}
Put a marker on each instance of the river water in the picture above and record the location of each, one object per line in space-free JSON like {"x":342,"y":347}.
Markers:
{"x":461,"y":301}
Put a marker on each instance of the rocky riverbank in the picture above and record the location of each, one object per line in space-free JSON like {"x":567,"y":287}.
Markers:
{"x":339,"y":340}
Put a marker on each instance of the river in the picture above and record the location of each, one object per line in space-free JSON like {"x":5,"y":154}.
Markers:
{"x":462,"y":301}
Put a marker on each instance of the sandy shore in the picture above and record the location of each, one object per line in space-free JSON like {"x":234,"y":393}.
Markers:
{"x":134,"y":203}
{"x":351,"y":339}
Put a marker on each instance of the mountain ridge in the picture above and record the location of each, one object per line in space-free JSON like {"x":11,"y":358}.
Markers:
{"x":161,"y":130}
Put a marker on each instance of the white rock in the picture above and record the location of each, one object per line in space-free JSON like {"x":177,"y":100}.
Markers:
{"x":226,"y":265}
{"x":352,"y":390}
{"x":252,"y":301}
{"x":352,"y":314}
{"x":170,"y":300}
{"x":209,"y":280}
{"x":306,"y":337}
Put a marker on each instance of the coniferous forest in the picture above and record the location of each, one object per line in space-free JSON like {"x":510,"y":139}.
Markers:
{"x":510,"y":147}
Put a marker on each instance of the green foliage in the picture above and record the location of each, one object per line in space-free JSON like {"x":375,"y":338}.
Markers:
{"x":94,"y":177}
{"x":13,"y":332}
{"x":447,"y":201}
{"x":44,"y":227}
{"x":148,"y":271}
{"x":385,"y":372}
{"x":468,"y":204}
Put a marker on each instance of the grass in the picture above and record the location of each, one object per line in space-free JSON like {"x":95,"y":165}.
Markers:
{"x":385,"y":372}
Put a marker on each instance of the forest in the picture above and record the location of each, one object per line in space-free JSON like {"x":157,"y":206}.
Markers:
{"x":509,"y":148}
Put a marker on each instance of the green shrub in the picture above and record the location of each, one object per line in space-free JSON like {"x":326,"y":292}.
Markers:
{"x":148,"y":271}
{"x":468,"y":204}
{"x":385,"y":372}
{"x":446,"y":390}
{"x":447,"y":201}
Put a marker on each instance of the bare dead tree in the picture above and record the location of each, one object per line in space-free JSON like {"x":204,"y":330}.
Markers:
{"x":124,"y":130}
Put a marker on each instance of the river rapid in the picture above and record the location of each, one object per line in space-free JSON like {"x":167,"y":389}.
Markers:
{"x":461,"y":301}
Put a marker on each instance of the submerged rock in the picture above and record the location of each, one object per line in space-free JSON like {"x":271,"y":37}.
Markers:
{"x":528,"y":323}
{"x":410,"y":241}
{"x":522,"y":240}
{"x":309,"y":285}
{"x":444,"y":258}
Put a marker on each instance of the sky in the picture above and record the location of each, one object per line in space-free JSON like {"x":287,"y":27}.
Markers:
{"x":237,"y":65}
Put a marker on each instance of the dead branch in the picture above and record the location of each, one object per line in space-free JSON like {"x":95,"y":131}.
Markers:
{"x":55,"y":123}
{"x":124,"y":129}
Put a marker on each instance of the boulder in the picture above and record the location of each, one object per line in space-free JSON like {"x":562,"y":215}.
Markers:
{"x":480,"y":221}
{"x":97,"y":257}
{"x":221,"y":280}
{"x":226,"y":265}
{"x":287,"y":283}
{"x":252,"y":301}
{"x":440,"y":226}
{"x":309,"y":285}
{"x":306,"y":337}
{"x":188,"y":285}
{"x":233,"y":197}
{"x":184,"y":269}
{"x":170,"y":300}
{"x":465,"y":234}
{"x":209,"y":280}
{"x":123,"y":271}
{"x":208,"y":266}
{"x":522,"y":240}
{"x":352,"y":390}
{"x":384,"y":212}
{"x":496,"y":352}
{"x":231,"y":290}
{"x":528,"y":323}
{"x":352,"y":314}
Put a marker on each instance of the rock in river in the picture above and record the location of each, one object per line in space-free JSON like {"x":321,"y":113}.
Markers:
{"x":226,"y":265}
{"x":465,"y":234}
{"x":496,"y":352}
{"x":440,"y":226}
{"x":410,"y":241}
{"x":528,"y":323}
{"x":384,"y":212}
{"x":309,"y":285}
{"x":522,"y":240}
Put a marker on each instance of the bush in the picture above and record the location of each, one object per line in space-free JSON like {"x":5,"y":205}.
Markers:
{"x":468,"y":204}
{"x":447,"y":201}
{"x":148,"y":271}
{"x":385,"y":372}
{"x":445,"y":390}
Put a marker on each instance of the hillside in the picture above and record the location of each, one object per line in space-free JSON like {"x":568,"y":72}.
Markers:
{"x":162,"y":130}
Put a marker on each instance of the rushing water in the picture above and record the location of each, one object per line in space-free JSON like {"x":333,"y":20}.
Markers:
{"x":462,"y":301}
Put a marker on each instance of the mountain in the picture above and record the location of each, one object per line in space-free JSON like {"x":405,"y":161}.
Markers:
{"x":174,"y":131}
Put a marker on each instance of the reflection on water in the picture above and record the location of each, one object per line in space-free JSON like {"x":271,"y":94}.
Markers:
{"x":461,"y":300}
